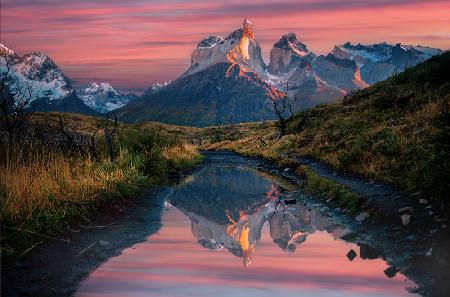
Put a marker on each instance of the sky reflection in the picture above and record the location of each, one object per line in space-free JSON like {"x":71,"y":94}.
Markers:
{"x":174,"y":263}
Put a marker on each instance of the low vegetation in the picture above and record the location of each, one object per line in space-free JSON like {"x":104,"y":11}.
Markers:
{"x":67,"y":171}
{"x":396,"y":131}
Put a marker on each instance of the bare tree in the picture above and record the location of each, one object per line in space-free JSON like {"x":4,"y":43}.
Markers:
{"x":109,"y":136}
{"x":282,"y":107}
{"x":230,"y":119}
{"x":218,"y":131}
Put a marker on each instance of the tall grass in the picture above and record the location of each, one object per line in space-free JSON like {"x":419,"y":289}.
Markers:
{"x":43,"y":188}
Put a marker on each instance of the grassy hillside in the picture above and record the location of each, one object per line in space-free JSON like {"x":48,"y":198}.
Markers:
{"x":396,"y":131}
{"x":54,"y":175}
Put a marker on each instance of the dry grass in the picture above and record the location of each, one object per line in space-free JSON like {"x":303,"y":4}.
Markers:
{"x":43,"y":188}
{"x":182,"y":155}
{"x":52,"y":182}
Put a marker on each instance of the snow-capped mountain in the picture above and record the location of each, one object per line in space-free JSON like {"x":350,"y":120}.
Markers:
{"x":35,"y":79}
{"x":156,"y":87}
{"x":35,"y":73}
{"x":103,"y":97}
{"x":228,"y":78}
{"x":379,"y":61}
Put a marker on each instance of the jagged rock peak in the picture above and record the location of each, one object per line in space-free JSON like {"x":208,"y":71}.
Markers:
{"x":210,"y":41}
{"x":4,"y":51}
{"x":245,"y":31}
{"x":247,"y":28}
{"x":290,"y":41}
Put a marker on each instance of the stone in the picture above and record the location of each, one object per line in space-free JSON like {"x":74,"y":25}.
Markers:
{"x":408,"y":209}
{"x":362,"y":216}
{"x":416,"y":194}
{"x":351,"y":255}
{"x":406,"y":219}
{"x":423,"y":201}
{"x":390,"y":271}
{"x":366,"y":252}
{"x":429,"y":252}
{"x":103,"y":243}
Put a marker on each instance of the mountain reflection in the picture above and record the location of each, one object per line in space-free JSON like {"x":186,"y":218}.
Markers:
{"x":228,"y":210}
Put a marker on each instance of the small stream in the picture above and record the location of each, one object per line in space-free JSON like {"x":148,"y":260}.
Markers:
{"x":232,"y":229}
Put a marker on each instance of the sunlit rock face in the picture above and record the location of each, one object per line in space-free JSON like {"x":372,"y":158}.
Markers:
{"x":289,"y":53}
{"x":342,"y":73}
{"x":238,"y":48}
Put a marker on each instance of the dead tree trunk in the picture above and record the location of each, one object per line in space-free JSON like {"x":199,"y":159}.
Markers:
{"x":109,"y":136}
{"x":280,"y":108}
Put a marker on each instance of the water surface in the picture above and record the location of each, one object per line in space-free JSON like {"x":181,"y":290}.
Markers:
{"x":236,"y":231}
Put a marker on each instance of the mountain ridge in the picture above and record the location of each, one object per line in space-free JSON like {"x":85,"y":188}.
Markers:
{"x":309,"y":79}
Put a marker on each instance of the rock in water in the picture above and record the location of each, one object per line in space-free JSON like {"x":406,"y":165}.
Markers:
{"x":351,"y":255}
{"x":406,"y":219}
{"x":390,"y":271}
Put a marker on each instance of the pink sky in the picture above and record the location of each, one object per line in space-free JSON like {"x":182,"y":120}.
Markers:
{"x":133,"y":44}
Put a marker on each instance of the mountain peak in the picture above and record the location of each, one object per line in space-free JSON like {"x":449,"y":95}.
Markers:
{"x":5,"y":51}
{"x":238,"y":48}
{"x":102,"y":97}
{"x":290,"y":42}
{"x":289,"y":53}
{"x":247,"y":29}
{"x":100,"y":88}
{"x":210,"y":41}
